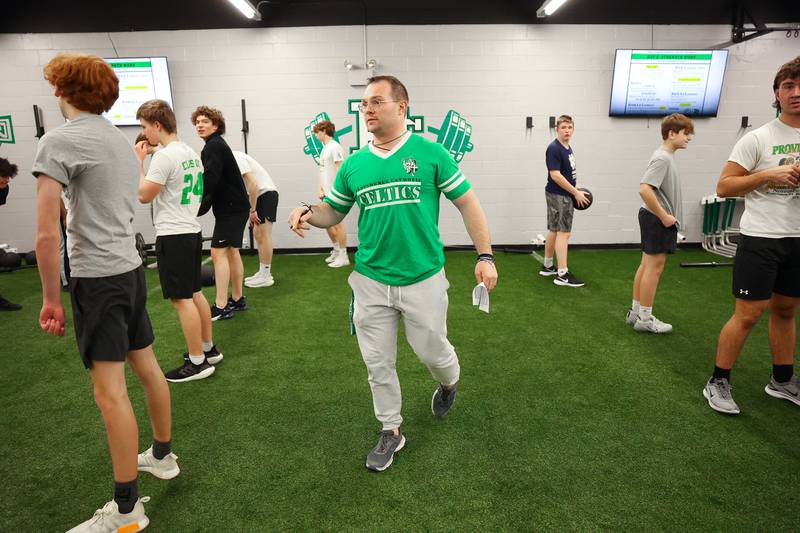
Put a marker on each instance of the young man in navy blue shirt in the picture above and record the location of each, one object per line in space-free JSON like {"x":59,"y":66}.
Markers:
{"x":562,"y":187}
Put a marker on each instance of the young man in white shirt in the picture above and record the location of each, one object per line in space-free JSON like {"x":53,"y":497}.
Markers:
{"x":764,"y":167}
{"x":329,"y":162}
{"x":263,"y":197}
{"x":174,"y":184}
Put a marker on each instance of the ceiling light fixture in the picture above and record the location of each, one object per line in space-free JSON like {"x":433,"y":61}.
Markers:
{"x":549,"y":7}
{"x":246,"y":8}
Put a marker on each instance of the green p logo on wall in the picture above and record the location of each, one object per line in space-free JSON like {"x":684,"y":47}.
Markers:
{"x":454,"y":134}
{"x":6,"y":130}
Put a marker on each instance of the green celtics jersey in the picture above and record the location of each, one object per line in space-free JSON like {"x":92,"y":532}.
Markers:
{"x":398,"y":196}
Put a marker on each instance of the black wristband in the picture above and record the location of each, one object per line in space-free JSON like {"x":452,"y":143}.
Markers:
{"x":489,"y":258}
{"x":308,"y":208}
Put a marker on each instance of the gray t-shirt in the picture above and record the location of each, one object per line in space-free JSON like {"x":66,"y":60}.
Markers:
{"x":662,"y":174}
{"x":96,"y":164}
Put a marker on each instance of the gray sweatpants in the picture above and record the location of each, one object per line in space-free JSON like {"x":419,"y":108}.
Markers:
{"x":376,"y":316}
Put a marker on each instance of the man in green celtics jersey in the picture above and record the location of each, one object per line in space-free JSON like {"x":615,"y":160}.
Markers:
{"x":397,"y":180}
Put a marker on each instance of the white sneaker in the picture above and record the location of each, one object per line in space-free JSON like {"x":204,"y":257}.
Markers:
{"x":332,"y":257}
{"x":631,"y":317}
{"x":340,"y":261}
{"x":110,"y":520}
{"x":261,"y":281}
{"x":254,"y":276}
{"x":652,"y":324}
{"x":166,"y":468}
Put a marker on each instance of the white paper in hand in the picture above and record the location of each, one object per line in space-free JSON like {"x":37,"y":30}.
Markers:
{"x":480,"y":297}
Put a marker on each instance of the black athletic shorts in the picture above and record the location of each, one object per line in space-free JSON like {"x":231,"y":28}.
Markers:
{"x":229,"y":230}
{"x":267,"y":206}
{"x":179,"y":259}
{"x":656,"y":239}
{"x":764,"y":266}
{"x":110,"y":316}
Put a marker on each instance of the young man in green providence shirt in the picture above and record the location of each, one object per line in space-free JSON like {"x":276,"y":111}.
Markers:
{"x":397,"y":181}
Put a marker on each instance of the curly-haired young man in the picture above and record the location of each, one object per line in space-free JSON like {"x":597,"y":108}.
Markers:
{"x":224,"y":192}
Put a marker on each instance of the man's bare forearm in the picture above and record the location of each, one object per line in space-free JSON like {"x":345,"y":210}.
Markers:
{"x":324,"y":216}
{"x":563,"y":182}
{"x":475,"y":221}
{"x":651,"y":201}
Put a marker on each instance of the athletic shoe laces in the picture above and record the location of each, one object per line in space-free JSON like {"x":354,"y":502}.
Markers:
{"x":101,"y":514}
{"x":724,"y":389}
{"x":385,"y":443}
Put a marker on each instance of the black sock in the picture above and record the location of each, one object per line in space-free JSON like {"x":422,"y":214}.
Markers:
{"x":782,"y":373}
{"x":720,"y":373}
{"x":161,"y":449}
{"x":126,"y":494}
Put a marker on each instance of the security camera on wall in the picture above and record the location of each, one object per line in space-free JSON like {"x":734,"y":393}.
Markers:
{"x":140,"y":79}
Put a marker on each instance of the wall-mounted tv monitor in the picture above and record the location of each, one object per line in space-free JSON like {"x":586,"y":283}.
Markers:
{"x":655,"y":83}
{"x":140,"y":79}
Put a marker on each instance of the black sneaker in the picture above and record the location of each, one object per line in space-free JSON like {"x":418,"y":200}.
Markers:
{"x":548,"y":271}
{"x":189,"y":371}
{"x":568,"y":280}
{"x":221,"y":314}
{"x":237,"y":305}
{"x":443,"y":399}
{"x":382,"y":455}
{"x":213,"y":356}
{"x":5,"y":305}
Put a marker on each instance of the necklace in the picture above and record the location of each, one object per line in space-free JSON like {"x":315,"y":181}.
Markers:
{"x":381,"y":146}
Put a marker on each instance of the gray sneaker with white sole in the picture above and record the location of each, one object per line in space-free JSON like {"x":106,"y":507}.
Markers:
{"x":785,"y":391}
{"x":718,"y":394}
{"x":382,"y":455}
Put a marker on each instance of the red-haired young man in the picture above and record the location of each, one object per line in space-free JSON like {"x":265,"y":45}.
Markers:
{"x":93,"y":161}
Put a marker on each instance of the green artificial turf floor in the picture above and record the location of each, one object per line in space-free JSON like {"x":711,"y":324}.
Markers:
{"x":566,"y":419}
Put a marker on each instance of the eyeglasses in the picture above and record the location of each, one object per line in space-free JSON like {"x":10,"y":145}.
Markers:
{"x":374,"y":104}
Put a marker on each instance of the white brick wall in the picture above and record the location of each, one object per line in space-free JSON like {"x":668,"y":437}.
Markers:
{"x":494,"y":75}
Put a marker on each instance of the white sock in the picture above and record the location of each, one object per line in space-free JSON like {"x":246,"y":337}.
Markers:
{"x":343,"y":252}
{"x":207,"y":345}
{"x":548,"y":262}
{"x":264,"y":269}
{"x":336,"y":247}
{"x":197,"y":359}
{"x":562,"y":271}
{"x":635,"y":306}
{"x":645,"y":313}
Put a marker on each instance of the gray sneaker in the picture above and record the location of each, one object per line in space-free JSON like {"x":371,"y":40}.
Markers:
{"x":382,"y":455}
{"x":786,"y":391}
{"x":443,"y":399}
{"x":718,"y":394}
{"x":631,"y":317}
{"x":652,"y":324}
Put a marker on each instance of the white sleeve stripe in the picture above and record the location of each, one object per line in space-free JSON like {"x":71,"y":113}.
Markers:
{"x":450,"y":179}
{"x":455,"y":184}
{"x":342,"y":196}
{"x":340,"y":204}
{"x":338,"y":201}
